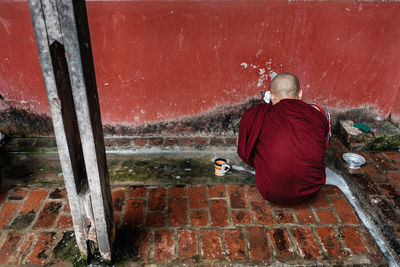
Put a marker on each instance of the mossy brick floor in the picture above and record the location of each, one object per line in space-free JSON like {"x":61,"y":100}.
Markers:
{"x":379,"y":181}
{"x":196,"y":219}
{"x":190,"y":224}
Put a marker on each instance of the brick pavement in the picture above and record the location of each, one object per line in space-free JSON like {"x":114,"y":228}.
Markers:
{"x":193,"y":224}
{"x":379,"y":180}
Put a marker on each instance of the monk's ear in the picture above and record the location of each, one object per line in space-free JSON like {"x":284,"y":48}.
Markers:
{"x":300,"y":95}
{"x":272,"y":98}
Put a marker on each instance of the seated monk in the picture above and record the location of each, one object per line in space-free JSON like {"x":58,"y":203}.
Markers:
{"x":285,"y":142}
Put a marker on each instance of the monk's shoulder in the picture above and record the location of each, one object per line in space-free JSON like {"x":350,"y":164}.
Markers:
{"x":252,"y":111}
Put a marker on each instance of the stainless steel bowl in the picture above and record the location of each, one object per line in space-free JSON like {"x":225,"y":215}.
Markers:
{"x":353,"y":160}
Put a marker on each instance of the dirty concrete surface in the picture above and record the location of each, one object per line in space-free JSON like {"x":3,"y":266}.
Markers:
{"x":141,"y":169}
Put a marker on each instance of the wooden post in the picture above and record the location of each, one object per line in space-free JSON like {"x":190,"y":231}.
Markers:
{"x":63,"y":41}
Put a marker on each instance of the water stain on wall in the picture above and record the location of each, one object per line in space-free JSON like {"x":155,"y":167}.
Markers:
{"x":222,"y":121}
{"x":22,"y":123}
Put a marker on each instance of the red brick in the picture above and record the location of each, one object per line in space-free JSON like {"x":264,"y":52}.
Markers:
{"x":237,"y":197}
{"x":142,"y":245}
{"x":353,"y":240}
{"x":186,"y":142}
{"x":197,"y":197}
{"x":385,"y":208}
{"x":383,"y":162}
{"x":199,"y":218}
{"x":7,"y":212}
{"x":176,"y":191}
{"x":307,"y":243}
{"x":320,"y":200}
{"x":365,"y":184}
{"x":284,"y":216}
{"x":258,"y":244}
{"x":219,"y":212}
{"x":230,"y":141}
{"x":170,"y":142}
{"x":58,"y":194}
{"x":117,"y":216}
{"x":201,"y":141}
{"x":280,"y":206}
{"x":17,"y":194}
{"x":262,"y":212}
{"x":344,"y":210}
{"x":216,"y":190}
{"x":43,"y":244}
{"x":67,"y":208}
{"x":157,"y":199}
{"x":234,"y":244}
{"x":333,"y":190}
{"x":211,"y":244}
{"x":177,"y":212}
{"x":48,"y":215}
{"x":330,"y":242}
{"x":395,"y":176}
{"x":392,"y":155}
{"x":336,"y":143}
{"x":3,"y":196}
{"x":64,"y":222}
{"x":252,"y":191}
{"x":140,"y":141}
{"x":369,"y":242}
{"x":34,"y":200}
{"x":118,"y":198}
{"x":9,"y":246}
{"x":216,"y":141}
{"x":281,"y":242}
{"x":163,"y":245}
{"x":326,"y":216}
{"x":304,"y":214}
{"x":155,"y":219}
{"x":155,"y":141}
{"x":187,"y":244}
{"x":241,"y":217}
{"x":25,"y":248}
{"x":376,"y":175}
{"x":391,"y":193}
{"x":137,"y":192}
{"x":134,"y":213}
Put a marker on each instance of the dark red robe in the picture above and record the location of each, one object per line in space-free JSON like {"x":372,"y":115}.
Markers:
{"x":285,"y":143}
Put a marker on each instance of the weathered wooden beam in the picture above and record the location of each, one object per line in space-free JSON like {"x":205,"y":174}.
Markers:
{"x":63,"y":40}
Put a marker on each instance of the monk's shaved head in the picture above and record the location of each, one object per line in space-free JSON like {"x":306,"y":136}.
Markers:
{"x":285,"y":85}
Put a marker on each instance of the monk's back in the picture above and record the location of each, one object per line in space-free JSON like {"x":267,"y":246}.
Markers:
{"x":289,"y":154}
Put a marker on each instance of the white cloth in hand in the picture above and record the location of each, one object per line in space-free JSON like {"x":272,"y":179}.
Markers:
{"x":267,"y":96}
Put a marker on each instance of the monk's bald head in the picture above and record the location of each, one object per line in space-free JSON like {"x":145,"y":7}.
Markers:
{"x":285,"y":85}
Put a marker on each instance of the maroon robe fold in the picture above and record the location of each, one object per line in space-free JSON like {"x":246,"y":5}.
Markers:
{"x":286,"y":145}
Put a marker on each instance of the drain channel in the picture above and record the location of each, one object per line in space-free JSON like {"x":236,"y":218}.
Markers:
{"x":334,"y":179}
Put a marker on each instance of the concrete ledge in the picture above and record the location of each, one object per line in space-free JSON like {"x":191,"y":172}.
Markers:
{"x":382,"y":136}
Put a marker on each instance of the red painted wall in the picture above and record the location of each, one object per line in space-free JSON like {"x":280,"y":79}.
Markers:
{"x":161,"y":60}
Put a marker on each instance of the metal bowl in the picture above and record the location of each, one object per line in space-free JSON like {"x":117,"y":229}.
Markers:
{"x":353,"y":160}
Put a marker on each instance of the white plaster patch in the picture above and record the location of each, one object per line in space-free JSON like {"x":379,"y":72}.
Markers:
{"x":6,"y":24}
{"x":260,"y":82}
